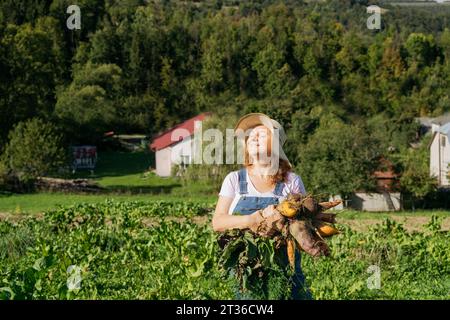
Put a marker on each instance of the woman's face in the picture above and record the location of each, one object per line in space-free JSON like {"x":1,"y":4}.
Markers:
{"x":258,"y":142}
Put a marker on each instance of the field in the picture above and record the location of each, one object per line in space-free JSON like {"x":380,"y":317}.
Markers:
{"x":124,"y":177}
{"x":167,"y":250}
{"x":148,"y":237}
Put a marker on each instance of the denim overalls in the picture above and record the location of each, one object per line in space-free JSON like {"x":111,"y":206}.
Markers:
{"x":248,"y":205}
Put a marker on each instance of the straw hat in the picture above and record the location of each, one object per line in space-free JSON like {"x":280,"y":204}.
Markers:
{"x":252,"y":120}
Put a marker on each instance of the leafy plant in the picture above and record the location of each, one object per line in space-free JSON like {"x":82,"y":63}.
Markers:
{"x":34,"y":149}
{"x":118,"y":256}
{"x":261,"y":269}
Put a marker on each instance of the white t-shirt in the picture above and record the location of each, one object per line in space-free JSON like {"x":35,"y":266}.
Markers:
{"x":230,"y":188}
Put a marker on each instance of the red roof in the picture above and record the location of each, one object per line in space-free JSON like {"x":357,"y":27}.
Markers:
{"x":385,"y":170}
{"x":164,"y":139}
{"x":385,"y":175}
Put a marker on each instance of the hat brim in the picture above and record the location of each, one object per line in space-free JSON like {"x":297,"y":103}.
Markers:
{"x":252,"y":120}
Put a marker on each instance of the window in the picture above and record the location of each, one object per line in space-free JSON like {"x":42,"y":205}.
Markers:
{"x":443,"y":141}
{"x":185,"y":160}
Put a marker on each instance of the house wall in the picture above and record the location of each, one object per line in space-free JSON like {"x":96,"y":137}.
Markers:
{"x":182,"y":148}
{"x":170,"y":156}
{"x":434,"y":156}
{"x":435,"y":127}
{"x":163,"y":162}
{"x":376,"y":201}
{"x":445,"y":154}
{"x":437,"y":150}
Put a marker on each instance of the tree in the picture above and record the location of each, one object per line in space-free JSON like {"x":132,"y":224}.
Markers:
{"x":352,"y":55}
{"x":273,"y":72}
{"x":212,"y":68}
{"x":30,"y":71}
{"x":303,"y":125}
{"x":421,"y":49}
{"x":34,"y":149}
{"x":338,"y":158}
{"x":445,"y":44}
{"x":17,"y":12}
{"x":137,"y":114}
{"x":147,"y":39}
{"x":415,"y":179}
{"x":88,"y":107}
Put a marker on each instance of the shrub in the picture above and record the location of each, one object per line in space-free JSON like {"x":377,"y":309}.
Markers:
{"x":34,"y":149}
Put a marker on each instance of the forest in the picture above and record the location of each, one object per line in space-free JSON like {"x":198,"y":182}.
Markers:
{"x":345,"y":94}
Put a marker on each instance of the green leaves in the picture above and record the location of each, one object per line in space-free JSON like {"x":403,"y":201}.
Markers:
{"x":416,"y":179}
{"x":406,"y":261}
{"x":34,"y":149}
{"x":339,"y":158}
{"x":252,"y":260}
{"x":435,"y":224}
{"x":6,"y":294}
{"x":421,"y":48}
{"x":94,"y":84}
{"x":232,"y":253}
{"x":120,"y":257}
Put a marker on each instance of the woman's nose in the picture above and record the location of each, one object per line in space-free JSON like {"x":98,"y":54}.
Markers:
{"x":254,"y":138}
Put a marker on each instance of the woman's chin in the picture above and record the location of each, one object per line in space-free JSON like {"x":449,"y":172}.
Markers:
{"x":261,"y":161}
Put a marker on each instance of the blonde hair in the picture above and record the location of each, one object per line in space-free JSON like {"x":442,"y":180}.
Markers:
{"x":283,"y":168}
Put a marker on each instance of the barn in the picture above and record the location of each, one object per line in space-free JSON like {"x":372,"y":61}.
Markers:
{"x":174,"y":146}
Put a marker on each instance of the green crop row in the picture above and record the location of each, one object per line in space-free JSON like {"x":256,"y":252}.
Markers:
{"x":105,"y":251}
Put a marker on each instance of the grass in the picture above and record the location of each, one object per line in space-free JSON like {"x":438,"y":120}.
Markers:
{"x":128,"y":172}
{"x":40,"y":202}
{"x":126,"y":177}
{"x":125,"y":170}
{"x":119,"y":163}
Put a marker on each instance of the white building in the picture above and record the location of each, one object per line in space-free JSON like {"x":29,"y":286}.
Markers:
{"x":440,"y":153}
{"x":175,"y":146}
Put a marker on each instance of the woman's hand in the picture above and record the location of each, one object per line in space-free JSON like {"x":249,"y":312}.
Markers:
{"x":264,"y":222}
{"x":222,"y":221}
{"x":267,"y":222}
{"x":270,"y":210}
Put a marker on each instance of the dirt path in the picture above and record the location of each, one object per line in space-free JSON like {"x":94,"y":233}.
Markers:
{"x":11,"y":216}
{"x":410,"y":223}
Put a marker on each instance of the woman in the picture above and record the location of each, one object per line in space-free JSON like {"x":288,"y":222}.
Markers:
{"x":248,"y":196}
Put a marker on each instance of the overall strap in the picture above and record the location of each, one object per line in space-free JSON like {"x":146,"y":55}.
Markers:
{"x":279,"y":188}
{"x":242,"y":181}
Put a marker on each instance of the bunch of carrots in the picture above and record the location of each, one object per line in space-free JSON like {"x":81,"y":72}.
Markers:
{"x":307,"y":224}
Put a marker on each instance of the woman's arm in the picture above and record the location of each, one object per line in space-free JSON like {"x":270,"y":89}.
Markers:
{"x":223,"y":221}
